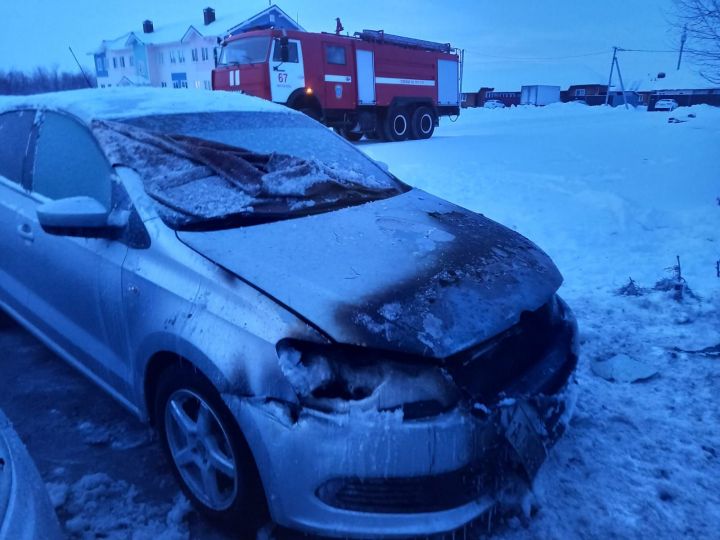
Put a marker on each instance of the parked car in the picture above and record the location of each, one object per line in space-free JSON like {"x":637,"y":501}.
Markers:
{"x":311,"y":337}
{"x":494,"y":104}
{"x":25,"y":509}
{"x":666,"y":105}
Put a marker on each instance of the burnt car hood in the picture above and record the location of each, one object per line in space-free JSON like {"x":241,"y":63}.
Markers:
{"x":411,"y":274}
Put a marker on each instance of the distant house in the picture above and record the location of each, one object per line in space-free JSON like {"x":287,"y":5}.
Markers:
{"x":272,"y":17}
{"x":684,"y":85}
{"x":507,"y":98}
{"x":485,"y":94}
{"x":179,"y":55}
{"x":589,"y":93}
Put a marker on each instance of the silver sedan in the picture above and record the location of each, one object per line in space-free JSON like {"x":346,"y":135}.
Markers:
{"x":314,"y":340}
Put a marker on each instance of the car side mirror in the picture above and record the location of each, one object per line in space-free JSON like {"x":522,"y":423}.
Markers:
{"x":284,"y":49}
{"x":81,"y":216}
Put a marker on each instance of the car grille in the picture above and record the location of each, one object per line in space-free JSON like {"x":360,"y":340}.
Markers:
{"x":484,"y":372}
{"x":403,"y":495}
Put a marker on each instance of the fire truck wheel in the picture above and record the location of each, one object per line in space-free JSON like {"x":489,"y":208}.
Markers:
{"x":397,"y":126}
{"x":422,"y":124}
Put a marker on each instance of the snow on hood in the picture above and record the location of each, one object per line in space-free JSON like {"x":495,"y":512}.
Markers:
{"x":114,"y":103}
{"x":412,"y":273}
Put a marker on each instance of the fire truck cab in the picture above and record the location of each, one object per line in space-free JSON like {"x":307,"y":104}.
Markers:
{"x":373,"y":84}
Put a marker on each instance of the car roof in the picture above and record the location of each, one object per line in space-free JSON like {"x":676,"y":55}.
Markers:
{"x":116,"y":103}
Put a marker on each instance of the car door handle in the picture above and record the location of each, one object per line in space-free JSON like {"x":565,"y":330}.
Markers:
{"x":25,"y":230}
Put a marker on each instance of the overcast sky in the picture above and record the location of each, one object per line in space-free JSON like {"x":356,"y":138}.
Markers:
{"x":499,"y":37}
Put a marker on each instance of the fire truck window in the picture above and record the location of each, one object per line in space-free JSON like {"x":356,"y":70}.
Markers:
{"x":292,"y":53}
{"x":335,"y":55}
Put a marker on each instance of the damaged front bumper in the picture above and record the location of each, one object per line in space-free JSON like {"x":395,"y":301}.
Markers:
{"x":375,"y":474}
{"x":364,"y":473}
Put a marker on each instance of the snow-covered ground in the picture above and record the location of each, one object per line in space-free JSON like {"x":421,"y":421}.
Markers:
{"x":609,"y":194}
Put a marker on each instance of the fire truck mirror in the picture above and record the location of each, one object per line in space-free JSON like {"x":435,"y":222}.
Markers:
{"x":284,"y":49}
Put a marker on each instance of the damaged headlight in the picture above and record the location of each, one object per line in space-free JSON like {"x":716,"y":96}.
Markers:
{"x":335,"y":378}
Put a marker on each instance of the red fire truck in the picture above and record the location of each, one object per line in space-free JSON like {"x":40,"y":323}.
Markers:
{"x":374,"y":84}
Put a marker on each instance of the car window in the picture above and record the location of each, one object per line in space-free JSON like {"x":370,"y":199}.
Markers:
{"x":14,"y":133}
{"x":69,"y":162}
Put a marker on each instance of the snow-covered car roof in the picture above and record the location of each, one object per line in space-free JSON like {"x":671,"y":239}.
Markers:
{"x":113,"y":103}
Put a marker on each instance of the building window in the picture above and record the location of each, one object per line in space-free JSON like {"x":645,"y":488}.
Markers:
{"x":335,"y":55}
{"x":114,"y":63}
{"x":205,"y":53}
{"x":172,"y":57}
{"x":132,"y":60}
{"x":122,"y":61}
{"x":163,"y":85}
{"x":161,"y":58}
{"x":197,"y":84}
{"x":207,"y":85}
{"x":579,"y":92}
{"x":194,"y":54}
{"x":181,"y":56}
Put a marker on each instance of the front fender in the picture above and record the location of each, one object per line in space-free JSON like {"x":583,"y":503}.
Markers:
{"x":235,"y":361}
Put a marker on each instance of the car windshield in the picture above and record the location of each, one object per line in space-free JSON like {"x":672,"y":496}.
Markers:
{"x":245,"y":51}
{"x":222,"y":170}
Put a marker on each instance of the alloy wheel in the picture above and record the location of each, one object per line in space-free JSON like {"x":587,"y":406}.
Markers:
{"x":201,"y":449}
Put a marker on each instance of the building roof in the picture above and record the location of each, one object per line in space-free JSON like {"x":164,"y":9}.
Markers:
{"x":177,"y":31}
{"x":128,"y":102}
{"x":272,"y":16}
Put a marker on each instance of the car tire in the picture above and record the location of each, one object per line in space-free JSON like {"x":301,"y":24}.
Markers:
{"x":422,"y":123}
{"x":207,"y":451}
{"x":396,"y":126}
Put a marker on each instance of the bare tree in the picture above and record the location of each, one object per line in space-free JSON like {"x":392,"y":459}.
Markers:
{"x":700,"y":19}
{"x":41,"y":80}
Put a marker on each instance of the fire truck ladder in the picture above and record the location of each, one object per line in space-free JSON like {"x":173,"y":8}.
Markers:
{"x":379,"y":36}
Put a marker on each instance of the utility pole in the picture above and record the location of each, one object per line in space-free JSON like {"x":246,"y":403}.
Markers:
{"x":683,"y":39}
{"x":613,"y":66}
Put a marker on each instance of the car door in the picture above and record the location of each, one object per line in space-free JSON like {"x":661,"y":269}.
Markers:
{"x":73,"y":284}
{"x":15,"y":128}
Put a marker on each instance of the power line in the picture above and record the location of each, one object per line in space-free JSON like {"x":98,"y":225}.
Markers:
{"x":648,"y":50}
{"x":529,"y":58}
{"x":564,"y":57}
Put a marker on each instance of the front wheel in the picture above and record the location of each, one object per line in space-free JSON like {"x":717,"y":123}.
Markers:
{"x":207,"y":451}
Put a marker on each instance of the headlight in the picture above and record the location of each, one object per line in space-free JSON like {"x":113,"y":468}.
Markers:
{"x":338,"y":378}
